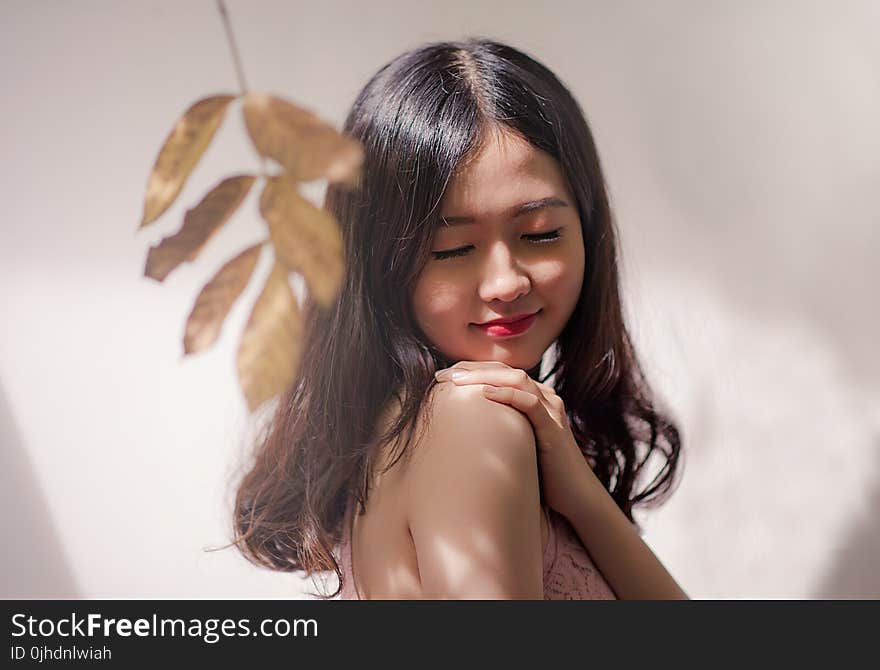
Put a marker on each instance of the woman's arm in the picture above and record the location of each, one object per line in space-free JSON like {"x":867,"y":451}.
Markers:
{"x":614,"y":544}
{"x":569,"y":484}
{"x":473,"y":501}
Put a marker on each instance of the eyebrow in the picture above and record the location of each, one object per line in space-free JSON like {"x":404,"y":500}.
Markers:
{"x":519,"y":210}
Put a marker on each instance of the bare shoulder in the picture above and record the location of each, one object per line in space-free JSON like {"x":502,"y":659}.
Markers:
{"x":473,"y":501}
{"x":457,"y":418}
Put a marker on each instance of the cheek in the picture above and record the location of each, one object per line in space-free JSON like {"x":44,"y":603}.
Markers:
{"x":561,"y":278}
{"x":437,"y":303}
{"x":574,"y":277}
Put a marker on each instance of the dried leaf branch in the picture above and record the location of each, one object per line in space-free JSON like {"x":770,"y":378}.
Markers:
{"x":305,"y":146}
{"x":199,"y":224}
{"x":181,"y":152}
{"x":270,"y":346}
{"x":216,"y":299}
{"x":304,"y":238}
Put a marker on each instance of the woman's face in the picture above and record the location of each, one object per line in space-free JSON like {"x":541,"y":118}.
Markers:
{"x":509,"y":244}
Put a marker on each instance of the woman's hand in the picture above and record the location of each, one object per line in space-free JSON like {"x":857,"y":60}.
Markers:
{"x":562,"y":465}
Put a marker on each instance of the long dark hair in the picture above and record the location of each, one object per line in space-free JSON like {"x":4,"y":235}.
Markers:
{"x":418,"y":118}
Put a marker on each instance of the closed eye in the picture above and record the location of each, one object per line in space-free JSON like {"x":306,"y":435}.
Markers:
{"x":536,"y":238}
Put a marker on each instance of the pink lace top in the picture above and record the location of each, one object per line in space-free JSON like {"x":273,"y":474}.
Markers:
{"x":569,"y":573}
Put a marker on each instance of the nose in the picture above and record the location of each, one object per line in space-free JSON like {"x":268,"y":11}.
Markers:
{"x":502,"y":276}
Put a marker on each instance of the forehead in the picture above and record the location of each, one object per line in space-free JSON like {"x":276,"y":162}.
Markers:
{"x":505,"y":170}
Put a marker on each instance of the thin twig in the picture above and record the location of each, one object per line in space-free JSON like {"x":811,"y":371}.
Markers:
{"x":239,"y":71}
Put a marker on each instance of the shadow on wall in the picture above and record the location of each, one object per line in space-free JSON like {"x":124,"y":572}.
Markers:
{"x":33,"y":563}
{"x":854,"y":571}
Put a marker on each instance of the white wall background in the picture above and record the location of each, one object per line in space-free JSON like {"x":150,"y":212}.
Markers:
{"x":741,"y":144}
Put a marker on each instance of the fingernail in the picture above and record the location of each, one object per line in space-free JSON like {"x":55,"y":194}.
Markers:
{"x":458,"y":374}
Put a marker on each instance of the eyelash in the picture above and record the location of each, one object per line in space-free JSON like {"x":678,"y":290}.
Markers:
{"x":538,"y":238}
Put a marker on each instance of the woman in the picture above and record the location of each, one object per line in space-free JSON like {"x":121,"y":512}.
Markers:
{"x":479,"y":239}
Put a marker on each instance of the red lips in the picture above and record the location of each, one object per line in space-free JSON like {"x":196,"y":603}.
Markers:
{"x":515,"y":325}
{"x":509,"y":319}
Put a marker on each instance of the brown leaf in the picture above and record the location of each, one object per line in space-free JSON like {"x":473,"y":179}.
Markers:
{"x":182,"y":150}
{"x":216,"y":299}
{"x":199,"y":224}
{"x":270,"y":345}
{"x":306,"y":147}
{"x":306,"y":239}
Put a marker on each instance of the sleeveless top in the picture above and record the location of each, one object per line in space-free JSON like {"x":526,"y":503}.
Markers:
{"x":569,"y":573}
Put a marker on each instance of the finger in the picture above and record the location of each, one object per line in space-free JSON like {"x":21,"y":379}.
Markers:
{"x":548,"y":391}
{"x":509,"y":376}
{"x":474,"y":365}
{"x":471,"y":366}
{"x":517,"y":378}
{"x":506,"y":376}
{"x":527,"y":403}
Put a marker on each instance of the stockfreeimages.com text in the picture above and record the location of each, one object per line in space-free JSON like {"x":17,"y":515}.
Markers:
{"x":209,"y":630}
